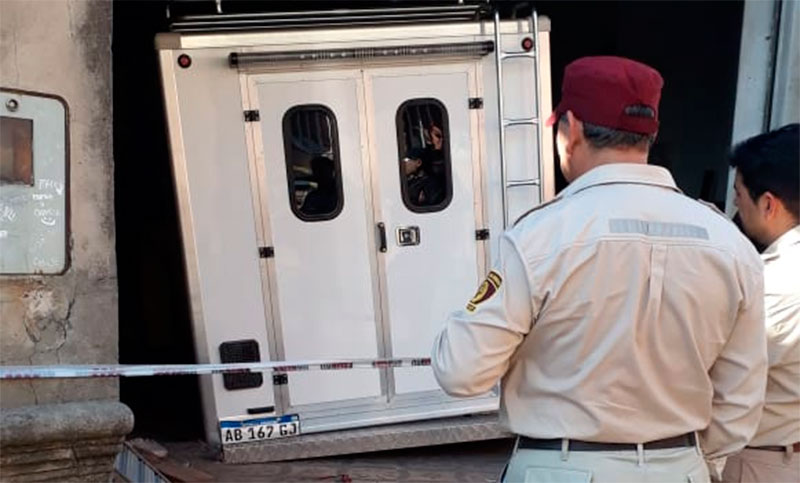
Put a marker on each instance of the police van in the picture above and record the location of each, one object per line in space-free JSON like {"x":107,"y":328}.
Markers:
{"x":342,"y":179}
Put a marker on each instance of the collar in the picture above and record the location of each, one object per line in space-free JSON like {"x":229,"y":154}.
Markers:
{"x":622,"y":173}
{"x":791,"y":237}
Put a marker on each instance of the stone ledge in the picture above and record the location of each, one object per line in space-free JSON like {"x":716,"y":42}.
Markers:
{"x":63,"y":442}
{"x":37,"y":425}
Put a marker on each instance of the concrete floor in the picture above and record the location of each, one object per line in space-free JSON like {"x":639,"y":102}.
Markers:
{"x":467,"y":462}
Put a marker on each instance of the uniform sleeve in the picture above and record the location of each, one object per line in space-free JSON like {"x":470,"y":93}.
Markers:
{"x":739,"y":377}
{"x":473,"y":349}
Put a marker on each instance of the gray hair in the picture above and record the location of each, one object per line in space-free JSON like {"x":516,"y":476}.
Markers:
{"x":605,"y":137}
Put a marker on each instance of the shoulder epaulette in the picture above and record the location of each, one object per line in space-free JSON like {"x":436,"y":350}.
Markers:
{"x":713,"y":207}
{"x":537,"y":208}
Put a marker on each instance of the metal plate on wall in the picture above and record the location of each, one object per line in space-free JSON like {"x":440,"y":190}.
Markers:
{"x":33,"y":184}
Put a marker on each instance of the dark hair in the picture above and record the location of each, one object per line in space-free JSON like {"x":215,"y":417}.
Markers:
{"x":771,"y":162}
{"x":606,"y":137}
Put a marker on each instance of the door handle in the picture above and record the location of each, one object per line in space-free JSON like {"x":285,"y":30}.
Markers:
{"x":382,"y":237}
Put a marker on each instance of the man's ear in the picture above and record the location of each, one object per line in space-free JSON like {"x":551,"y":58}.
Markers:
{"x":770,"y":205}
{"x":574,"y":132}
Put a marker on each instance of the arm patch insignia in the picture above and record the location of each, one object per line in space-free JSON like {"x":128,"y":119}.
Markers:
{"x":488,"y":288}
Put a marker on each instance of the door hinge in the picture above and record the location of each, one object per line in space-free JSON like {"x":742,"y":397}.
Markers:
{"x":482,"y":234}
{"x":476,"y":102}
{"x":280,"y":379}
{"x":266,"y":252}
{"x":252,"y":116}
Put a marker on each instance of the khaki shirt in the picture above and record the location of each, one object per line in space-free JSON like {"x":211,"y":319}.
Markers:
{"x":624,"y":312}
{"x":780,"y":424}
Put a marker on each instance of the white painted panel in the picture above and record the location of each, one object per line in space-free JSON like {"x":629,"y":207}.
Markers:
{"x":218,"y":221}
{"x":545,"y":108}
{"x":786,"y":90}
{"x":520,"y":200}
{"x":324,"y":281}
{"x":424,"y":282}
{"x":518,"y":82}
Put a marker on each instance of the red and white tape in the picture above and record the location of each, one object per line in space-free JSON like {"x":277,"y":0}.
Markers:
{"x":123,"y":370}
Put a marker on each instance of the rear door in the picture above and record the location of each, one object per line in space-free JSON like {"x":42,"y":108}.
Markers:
{"x":427,"y":198}
{"x":315,"y":200}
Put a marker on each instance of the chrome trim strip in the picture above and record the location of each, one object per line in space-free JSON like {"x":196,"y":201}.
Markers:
{"x":239,"y":60}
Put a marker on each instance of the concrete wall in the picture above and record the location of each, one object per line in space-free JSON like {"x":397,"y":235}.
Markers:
{"x":64,"y":48}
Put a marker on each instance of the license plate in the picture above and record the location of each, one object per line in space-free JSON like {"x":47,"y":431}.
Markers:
{"x":259,"y":429}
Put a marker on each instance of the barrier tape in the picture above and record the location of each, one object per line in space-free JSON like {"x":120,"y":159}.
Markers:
{"x":125,"y":370}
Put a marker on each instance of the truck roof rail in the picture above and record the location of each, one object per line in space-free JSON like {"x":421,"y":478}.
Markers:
{"x":326,"y":18}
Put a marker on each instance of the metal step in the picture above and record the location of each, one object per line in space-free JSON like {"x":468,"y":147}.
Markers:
{"x":517,"y":55}
{"x":512,"y":183}
{"x":378,"y":438}
{"x":525,"y":121}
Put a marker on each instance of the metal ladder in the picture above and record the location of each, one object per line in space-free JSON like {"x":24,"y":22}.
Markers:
{"x":504,"y":122}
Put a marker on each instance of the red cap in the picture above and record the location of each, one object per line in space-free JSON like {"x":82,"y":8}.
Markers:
{"x":598,"y":89}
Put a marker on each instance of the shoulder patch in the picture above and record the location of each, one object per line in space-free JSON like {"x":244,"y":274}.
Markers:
{"x":537,"y":208}
{"x":488,"y":288}
{"x":713,"y":207}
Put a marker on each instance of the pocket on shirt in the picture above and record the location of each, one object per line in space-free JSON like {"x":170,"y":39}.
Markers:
{"x":542,"y":474}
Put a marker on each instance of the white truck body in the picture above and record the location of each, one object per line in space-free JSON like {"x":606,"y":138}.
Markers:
{"x":263,"y":273}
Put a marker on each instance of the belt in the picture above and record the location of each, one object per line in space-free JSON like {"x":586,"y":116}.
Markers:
{"x":795,"y":448}
{"x":683,"y":440}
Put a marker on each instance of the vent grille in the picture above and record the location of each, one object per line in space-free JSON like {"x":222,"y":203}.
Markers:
{"x":241,"y":351}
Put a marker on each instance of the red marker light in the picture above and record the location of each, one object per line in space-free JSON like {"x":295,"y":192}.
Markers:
{"x":527,"y":44}
{"x":184,"y":61}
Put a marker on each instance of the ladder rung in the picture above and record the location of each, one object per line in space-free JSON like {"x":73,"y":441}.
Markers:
{"x":522,"y":182}
{"x":517,"y":55}
{"x":525,"y":121}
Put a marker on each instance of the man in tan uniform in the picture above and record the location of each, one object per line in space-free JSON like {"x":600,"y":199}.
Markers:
{"x":623,"y":317}
{"x":768,"y":197}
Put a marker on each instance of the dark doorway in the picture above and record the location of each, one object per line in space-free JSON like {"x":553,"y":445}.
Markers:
{"x":153,"y":304}
{"x":695,"y":46}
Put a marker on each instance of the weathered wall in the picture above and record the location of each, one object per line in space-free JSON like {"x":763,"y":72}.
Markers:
{"x":64,"y":48}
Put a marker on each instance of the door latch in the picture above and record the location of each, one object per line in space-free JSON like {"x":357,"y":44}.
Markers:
{"x":407,"y":236}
